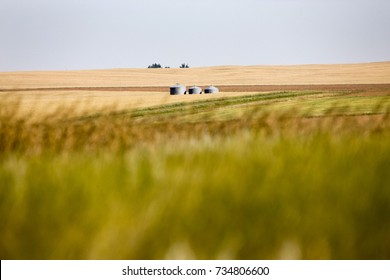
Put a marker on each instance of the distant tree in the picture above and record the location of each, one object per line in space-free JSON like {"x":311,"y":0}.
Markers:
{"x":167,"y":67}
{"x":183,"y":65}
{"x":155,"y":65}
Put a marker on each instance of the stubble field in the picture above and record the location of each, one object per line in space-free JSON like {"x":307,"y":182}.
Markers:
{"x":286,"y":162}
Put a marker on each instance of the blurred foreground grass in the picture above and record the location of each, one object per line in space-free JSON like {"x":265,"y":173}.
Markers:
{"x":228,"y":179}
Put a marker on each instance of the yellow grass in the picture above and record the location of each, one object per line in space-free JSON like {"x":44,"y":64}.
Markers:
{"x":288,"y":174}
{"x":38,"y":104}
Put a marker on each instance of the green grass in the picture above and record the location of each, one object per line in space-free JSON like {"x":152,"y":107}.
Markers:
{"x":267,"y":176}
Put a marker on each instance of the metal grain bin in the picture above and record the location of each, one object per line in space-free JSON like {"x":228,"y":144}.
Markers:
{"x":194,"y":90}
{"x":178,"y":89}
{"x":211,"y":89}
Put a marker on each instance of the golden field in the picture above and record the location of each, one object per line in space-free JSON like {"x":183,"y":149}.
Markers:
{"x":42,"y":93}
{"x":366,"y":73}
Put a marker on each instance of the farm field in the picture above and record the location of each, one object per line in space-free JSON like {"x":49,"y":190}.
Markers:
{"x":336,"y":74}
{"x":294,"y":167}
{"x":41,"y":93}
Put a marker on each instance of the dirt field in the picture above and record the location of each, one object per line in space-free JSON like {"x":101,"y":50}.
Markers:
{"x":85,"y":91}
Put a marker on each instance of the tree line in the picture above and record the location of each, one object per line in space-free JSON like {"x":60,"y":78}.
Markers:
{"x":158,"y":65}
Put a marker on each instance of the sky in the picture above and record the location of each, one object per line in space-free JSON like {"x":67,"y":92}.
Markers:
{"x":101,"y":34}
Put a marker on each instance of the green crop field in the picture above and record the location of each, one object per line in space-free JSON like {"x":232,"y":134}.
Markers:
{"x":276,"y":175}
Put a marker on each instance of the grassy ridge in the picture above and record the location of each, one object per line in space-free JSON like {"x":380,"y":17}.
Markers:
{"x":271,"y":180}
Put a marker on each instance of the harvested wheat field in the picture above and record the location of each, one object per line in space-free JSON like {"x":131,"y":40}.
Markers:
{"x":367,"y":73}
{"x":42,"y":93}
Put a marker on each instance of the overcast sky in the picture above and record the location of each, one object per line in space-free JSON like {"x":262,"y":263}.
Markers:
{"x":95,"y":34}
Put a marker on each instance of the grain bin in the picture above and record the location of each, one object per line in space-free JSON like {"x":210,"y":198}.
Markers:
{"x":178,"y":89}
{"x":194,"y":90}
{"x":211,"y":89}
